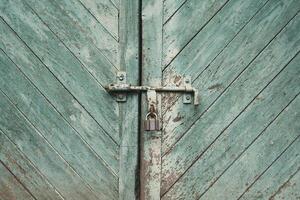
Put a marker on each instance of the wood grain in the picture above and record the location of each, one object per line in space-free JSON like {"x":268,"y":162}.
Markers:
{"x":239,"y":135}
{"x":62,"y":63}
{"x":236,"y":98}
{"x":227,"y":66}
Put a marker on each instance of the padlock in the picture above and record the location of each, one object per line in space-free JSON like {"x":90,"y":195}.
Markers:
{"x":151,"y":123}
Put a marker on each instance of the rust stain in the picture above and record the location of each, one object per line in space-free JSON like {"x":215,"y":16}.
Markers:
{"x":217,"y":86}
{"x":167,"y":181}
{"x":177,"y":80}
{"x":6,"y":191}
{"x":281,"y":188}
{"x":178,"y":117}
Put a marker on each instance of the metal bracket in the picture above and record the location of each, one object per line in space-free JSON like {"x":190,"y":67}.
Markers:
{"x":122,"y":88}
{"x":121,"y":80}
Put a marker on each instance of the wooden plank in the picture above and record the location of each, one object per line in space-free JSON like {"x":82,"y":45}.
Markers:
{"x":105,"y":13}
{"x":277,"y":140}
{"x":278,"y":176}
{"x":218,"y":76}
{"x":289,"y":190}
{"x":41,"y":153}
{"x":25,"y":171}
{"x":116,"y":3}
{"x":129,"y":62}
{"x":63,"y":64}
{"x":224,"y":151}
{"x":212,"y":38}
{"x":68,"y":143}
{"x":171,"y":7}
{"x":10,"y":187}
{"x":227,"y":108}
{"x":186,"y":23}
{"x":66,"y":104}
{"x":86,"y":23}
{"x":151,"y":75}
{"x":75,"y":39}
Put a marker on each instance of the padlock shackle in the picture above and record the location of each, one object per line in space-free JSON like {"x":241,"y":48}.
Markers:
{"x":149,"y":113}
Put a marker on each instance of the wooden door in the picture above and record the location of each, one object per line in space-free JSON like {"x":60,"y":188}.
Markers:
{"x":242,"y":141}
{"x":62,"y":136}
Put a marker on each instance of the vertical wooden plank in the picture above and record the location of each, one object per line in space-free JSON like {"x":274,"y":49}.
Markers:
{"x":129,"y":62}
{"x":151,"y":75}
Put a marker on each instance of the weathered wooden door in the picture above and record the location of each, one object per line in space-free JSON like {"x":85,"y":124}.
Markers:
{"x":242,"y":141}
{"x":62,"y":136}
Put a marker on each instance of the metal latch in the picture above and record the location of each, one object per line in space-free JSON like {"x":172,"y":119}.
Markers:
{"x":151,"y":123}
{"x":121,"y":89}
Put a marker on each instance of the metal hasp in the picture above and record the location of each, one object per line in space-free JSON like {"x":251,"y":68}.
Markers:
{"x":122,"y":88}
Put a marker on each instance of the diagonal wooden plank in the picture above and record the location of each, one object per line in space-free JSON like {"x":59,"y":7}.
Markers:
{"x":289,"y":190}
{"x":63,"y":64}
{"x":219,"y":31}
{"x":25,"y":171}
{"x":92,"y":29}
{"x":41,"y":153}
{"x":277,"y":140}
{"x":10,"y":187}
{"x":223,"y":68}
{"x":105,"y":13}
{"x":66,"y":104}
{"x":223,"y":152}
{"x":116,"y":3}
{"x":57,"y":131}
{"x":75,"y":40}
{"x":280,"y":173}
{"x":186,"y":23}
{"x":170,"y":7}
{"x":236,"y":98}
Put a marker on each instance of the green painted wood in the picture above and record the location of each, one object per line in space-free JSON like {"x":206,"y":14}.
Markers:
{"x":25,"y":171}
{"x":279,"y":175}
{"x":171,"y":7}
{"x":241,"y":51}
{"x":262,"y":111}
{"x":66,"y":104}
{"x":186,"y":23}
{"x":240,"y":93}
{"x":105,"y":12}
{"x":152,"y":21}
{"x":129,"y":62}
{"x":56,"y":56}
{"x":220,"y":30}
{"x":91,"y":28}
{"x":10,"y":187}
{"x":30,"y":142}
{"x":68,"y":143}
{"x":63,"y":64}
{"x":289,"y":190}
{"x":76,"y":41}
{"x":277,"y":139}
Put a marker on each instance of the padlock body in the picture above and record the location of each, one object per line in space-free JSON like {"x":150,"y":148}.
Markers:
{"x":151,"y":125}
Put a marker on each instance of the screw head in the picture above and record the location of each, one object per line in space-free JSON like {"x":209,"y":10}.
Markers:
{"x":120,"y":96}
{"x":121,"y":77}
{"x":187,"y":80}
{"x":188,"y":98}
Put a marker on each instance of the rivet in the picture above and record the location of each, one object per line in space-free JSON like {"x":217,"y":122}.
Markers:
{"x":121,"y":77}
{"x":187,"y":97}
